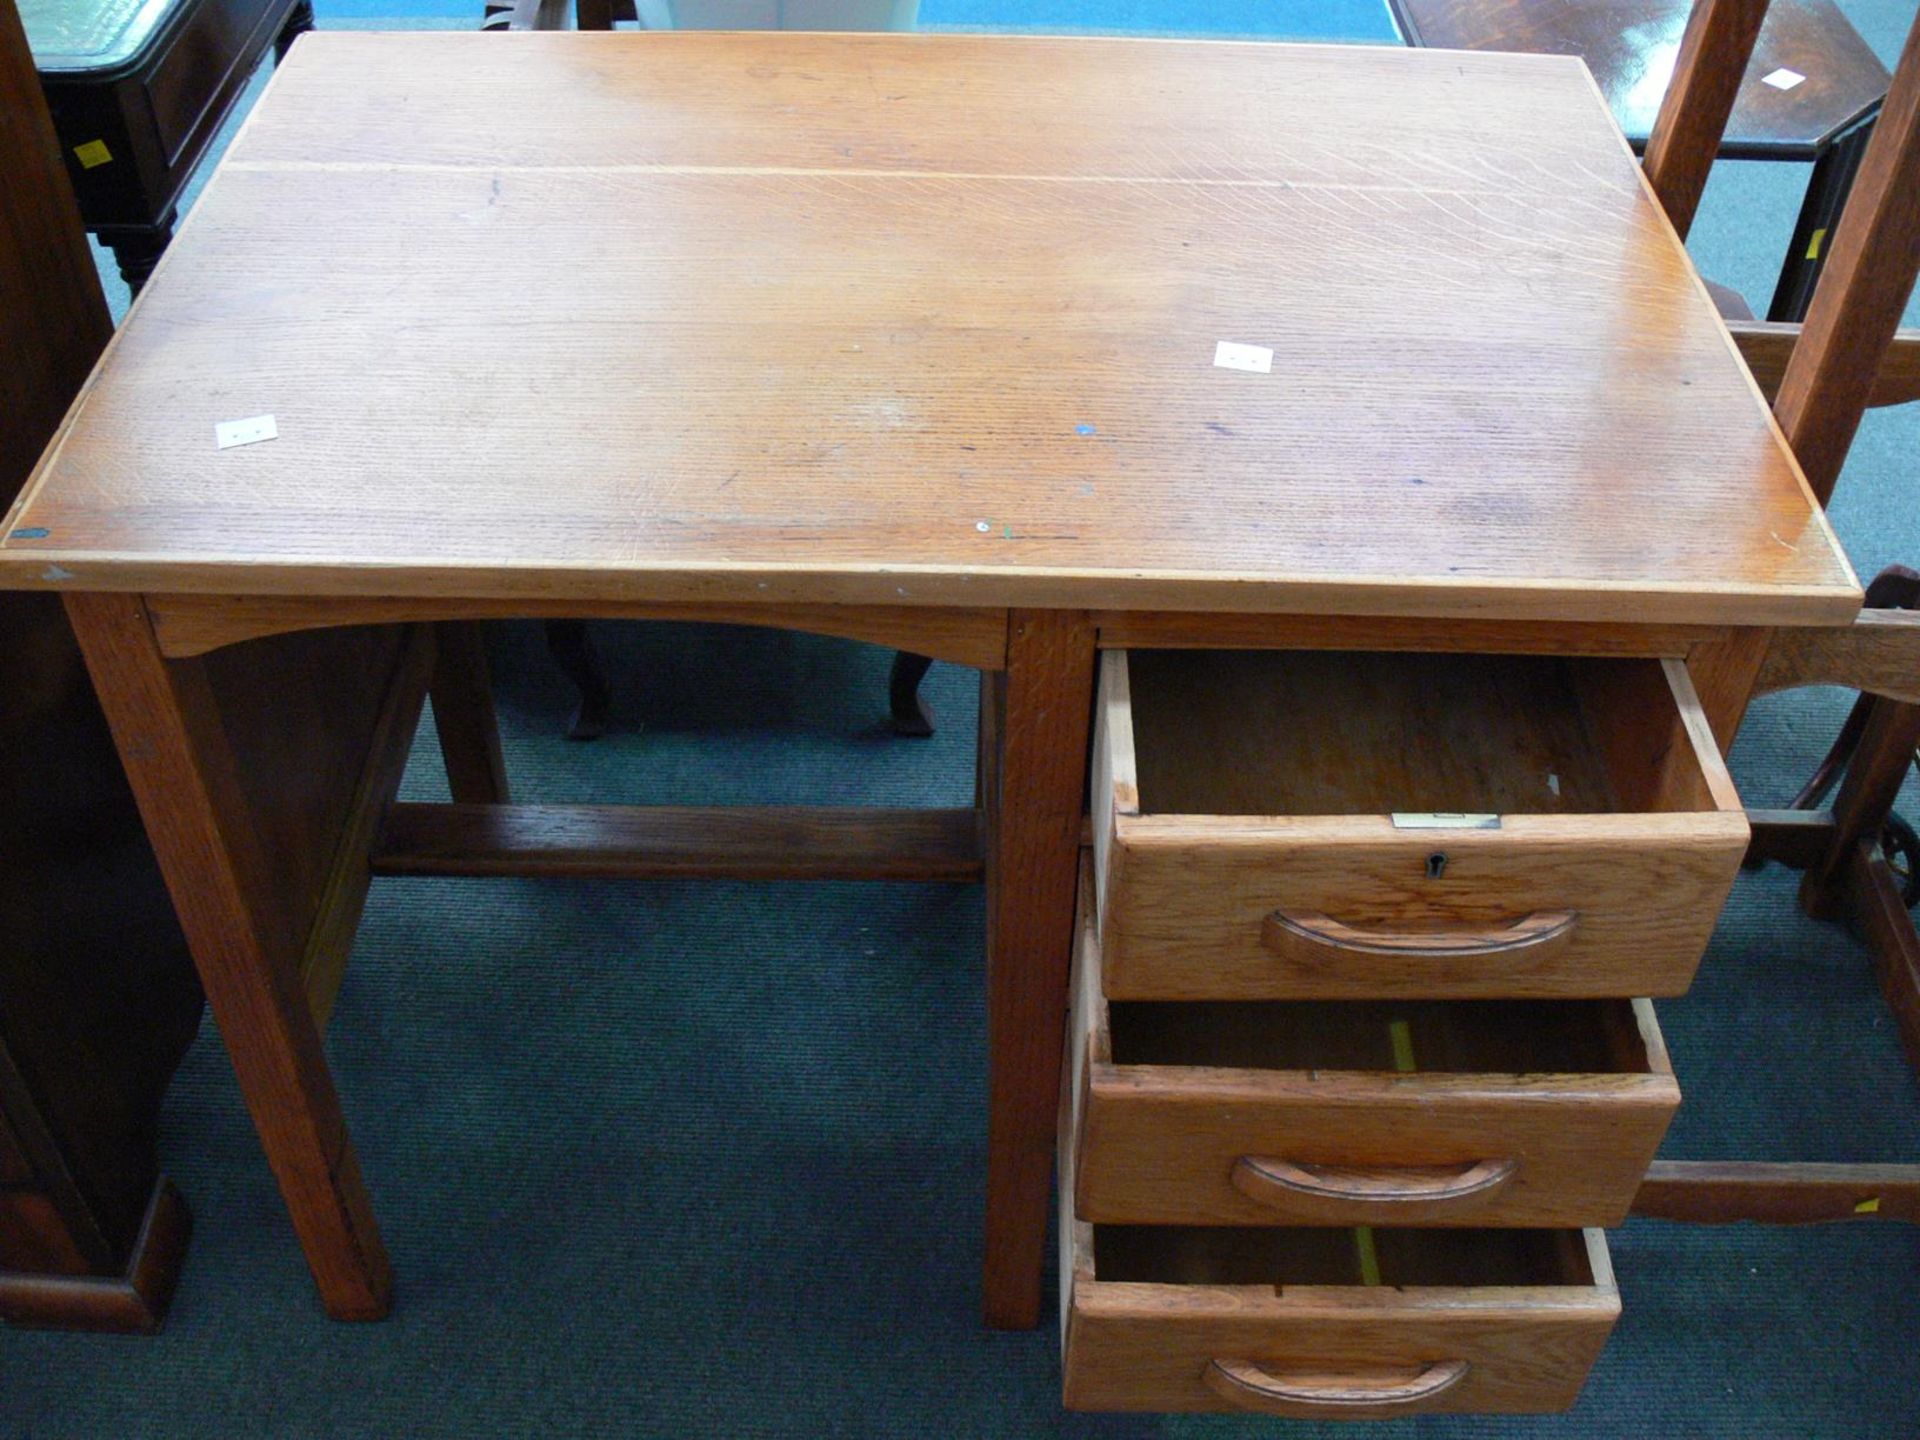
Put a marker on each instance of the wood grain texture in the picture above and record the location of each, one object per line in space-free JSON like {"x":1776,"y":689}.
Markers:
{"x":1872,"y":782}
{"x":1863,"y":290}
{"x":166,"y":720}
{"x":1723,"y":672}
{"x":1767,"y":345}
{"x":196,"y":624}
{"x":1174,"y":1102}
{"x":1707,"y":75}
{"x":1036,"y":788}
{"x":758,"y":842}
{"x":1363,"y":1394}
{"x":1302,"y":794}
{"x":1721,"y":1192}
{"x":1878,"y":653}
{"x":914,"y":319}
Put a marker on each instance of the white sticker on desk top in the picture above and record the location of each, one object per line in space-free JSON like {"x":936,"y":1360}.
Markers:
{"x":1231,"y":355}
{"x":1783,"y":78}
{"x":251,"y":431}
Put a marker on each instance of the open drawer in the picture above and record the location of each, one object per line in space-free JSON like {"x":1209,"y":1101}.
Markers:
{"x":1332,"y":1324}
{"x":1453,"y":1113}
{"x":1319,"y":824}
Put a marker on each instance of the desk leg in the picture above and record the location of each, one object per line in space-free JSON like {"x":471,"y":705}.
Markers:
{"x":1036,"y":719}
{"x":463,"y":715}
{"x":167,"y":725}
{"x":1723,"y":674}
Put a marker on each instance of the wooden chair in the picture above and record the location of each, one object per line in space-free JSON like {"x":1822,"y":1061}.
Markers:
{"x":1821,"y":378}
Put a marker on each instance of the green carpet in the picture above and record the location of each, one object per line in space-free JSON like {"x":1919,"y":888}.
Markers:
{"x":706,"y":1159}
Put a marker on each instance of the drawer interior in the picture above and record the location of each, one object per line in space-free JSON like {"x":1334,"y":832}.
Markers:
{"x":1282,"y":1256}
{"x":1334,"y":732}
{"x":1463,"y":1036}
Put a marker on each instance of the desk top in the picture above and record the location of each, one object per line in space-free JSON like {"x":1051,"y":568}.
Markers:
{"x":933,"y":319}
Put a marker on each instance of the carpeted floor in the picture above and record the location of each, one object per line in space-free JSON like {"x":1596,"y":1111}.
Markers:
{"x":690,"y":1159}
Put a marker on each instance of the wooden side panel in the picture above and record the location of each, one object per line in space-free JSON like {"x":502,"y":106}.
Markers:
{"x":1879,"y":653}
{"x":300,"y":712}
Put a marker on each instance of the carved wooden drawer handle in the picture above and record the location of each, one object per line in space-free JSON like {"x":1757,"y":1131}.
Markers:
{"x":1284,"y":1182}
{"x":1309,"y":935}
{"x":1334,"y":1395}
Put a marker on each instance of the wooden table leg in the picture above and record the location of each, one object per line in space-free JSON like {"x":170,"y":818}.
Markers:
{"x":463,"y":715}
{"x":1723,"y":674}
{"x":167,"y":725}
{"x":1034,"y":794}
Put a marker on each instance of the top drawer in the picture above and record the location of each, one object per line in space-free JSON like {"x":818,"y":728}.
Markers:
{"x":1295,"y":824}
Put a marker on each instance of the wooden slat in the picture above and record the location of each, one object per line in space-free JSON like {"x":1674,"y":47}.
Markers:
{"x":718,"y":842}
{"x":1878,"y":653}
{"x":1796,"y":838}
{"x":1718,"y":1192}
{"x":1861,"y":805}
{"x":195,"y":624}
{"x":1707,"y":73}
{"x":1767,"y":345}
{"x":1863,"y":290}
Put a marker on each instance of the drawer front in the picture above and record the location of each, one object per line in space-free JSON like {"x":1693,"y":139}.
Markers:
{"x":1349,"y":907}
{"x":1208,"y":1145}
{"x":1331,"y":1352}
{"x":1368,"y":905}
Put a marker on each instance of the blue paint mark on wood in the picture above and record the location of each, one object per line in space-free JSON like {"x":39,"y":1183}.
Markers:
{"x":30,"y":532}
{"x":1084,"y":429}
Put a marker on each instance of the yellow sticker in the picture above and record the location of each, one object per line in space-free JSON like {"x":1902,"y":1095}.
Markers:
{"x":91,"y":154}
{"x":1867,"y":1207}
{"x":1368,"y":1256}
{"x":1813,"y":245}
{"x":1402,"y":1035}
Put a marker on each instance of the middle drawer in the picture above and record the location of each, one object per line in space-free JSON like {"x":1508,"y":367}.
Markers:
{"x":1503,"y":1113}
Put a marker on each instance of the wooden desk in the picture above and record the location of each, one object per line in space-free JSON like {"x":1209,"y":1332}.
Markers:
{"x":911,"y":338}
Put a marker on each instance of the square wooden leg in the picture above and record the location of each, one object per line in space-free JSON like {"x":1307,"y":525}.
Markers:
{"x":1033,"y":794}
{"x":244,"y":936}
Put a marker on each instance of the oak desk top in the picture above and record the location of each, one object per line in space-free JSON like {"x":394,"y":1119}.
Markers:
{"x":933,"y":319}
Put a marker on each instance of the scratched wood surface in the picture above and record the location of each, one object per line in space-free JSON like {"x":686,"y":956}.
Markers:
{"x":932,"y":320}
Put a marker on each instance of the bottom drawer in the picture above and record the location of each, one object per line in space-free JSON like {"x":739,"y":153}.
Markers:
{"x":1331,"y":1323}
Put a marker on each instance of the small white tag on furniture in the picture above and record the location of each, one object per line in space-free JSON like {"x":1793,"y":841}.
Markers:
{"x":1443,"y":820}
{"x":1783,"y":78}
{"x":1229,"y":355}
{"x":229,"y":433}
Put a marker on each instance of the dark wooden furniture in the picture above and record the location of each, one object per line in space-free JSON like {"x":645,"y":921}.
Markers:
{"x":1630,"y":47}
{"x":98,"y":997}
{"x":138,"y":93}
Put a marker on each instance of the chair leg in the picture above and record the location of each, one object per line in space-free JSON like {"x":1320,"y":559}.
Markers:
{"x":572,"y":649}
{"x":910,"y":713}
{"x":1860,"y":811}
